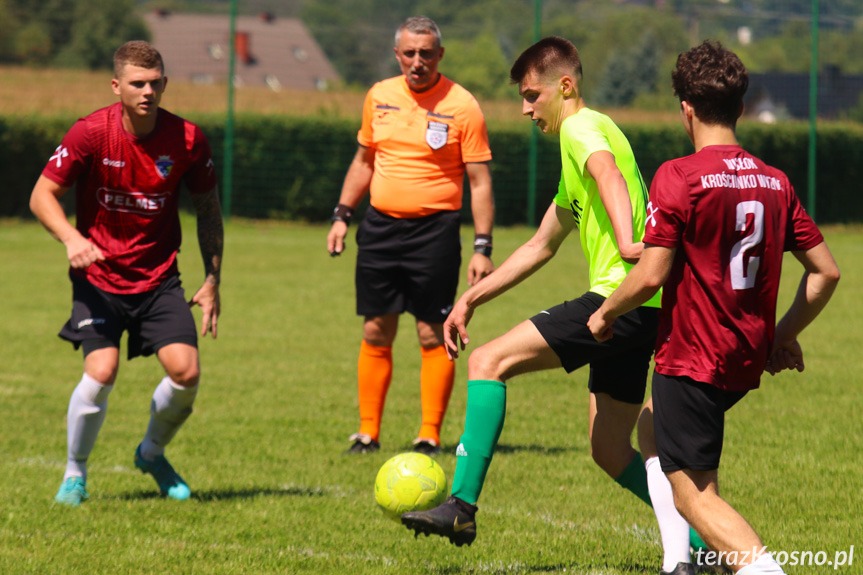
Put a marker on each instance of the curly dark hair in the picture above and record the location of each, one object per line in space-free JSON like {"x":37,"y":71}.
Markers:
{"x":551,"y":55}
{"x":713,"y":80}
{"x":137,"y":53}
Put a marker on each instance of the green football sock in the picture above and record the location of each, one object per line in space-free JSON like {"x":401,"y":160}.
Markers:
{"x":486,"y":409}
{"x":696,"y":541}
{"x":634,"y":478}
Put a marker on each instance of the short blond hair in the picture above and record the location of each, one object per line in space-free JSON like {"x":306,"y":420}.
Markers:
{"x":137,"y":53}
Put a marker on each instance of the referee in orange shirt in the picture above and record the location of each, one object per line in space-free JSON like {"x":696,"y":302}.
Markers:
{"x":420,"y":133}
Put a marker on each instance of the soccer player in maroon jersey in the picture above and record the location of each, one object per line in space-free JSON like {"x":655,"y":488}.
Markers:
{"x":718,"y":223}
{"x":127,"y":162}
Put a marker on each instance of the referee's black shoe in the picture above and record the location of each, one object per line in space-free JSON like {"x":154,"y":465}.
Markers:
{"x":426,"y":446}
{"x":454,"y":519}
{"x":362,"y":444}
{"x":681,"y":569}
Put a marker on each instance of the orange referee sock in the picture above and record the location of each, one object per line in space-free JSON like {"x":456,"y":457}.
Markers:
{"x":436,"y":380}
{"x":375,"y":371}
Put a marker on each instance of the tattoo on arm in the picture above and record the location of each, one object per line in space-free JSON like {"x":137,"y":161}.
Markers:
{"x":211,"y":234}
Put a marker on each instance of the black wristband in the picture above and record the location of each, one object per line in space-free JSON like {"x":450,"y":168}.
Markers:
{"x":343,"y":213}
{"x":482,"y":244}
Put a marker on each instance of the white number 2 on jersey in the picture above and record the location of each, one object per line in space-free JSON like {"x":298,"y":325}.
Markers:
{"x":739,"y":279}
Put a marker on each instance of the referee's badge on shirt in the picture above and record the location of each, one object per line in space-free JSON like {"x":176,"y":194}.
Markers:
{"x":436,"y":134}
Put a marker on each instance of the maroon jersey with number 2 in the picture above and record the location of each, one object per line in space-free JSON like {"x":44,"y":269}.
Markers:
{"x":730,"y":217}
{"x":127,"y":192}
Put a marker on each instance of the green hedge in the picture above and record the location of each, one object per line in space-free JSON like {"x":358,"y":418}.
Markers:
{"x":26,"y":143}
{"x":292,"y":168}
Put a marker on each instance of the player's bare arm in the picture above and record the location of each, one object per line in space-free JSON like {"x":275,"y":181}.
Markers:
{"x":354,"y":188}
{"x":641,"y":284}
{"x":45,"y":205}
{"x":482,"y":208}
{"x":211,"y":239}
{"x":615,"y":197}
{"x":524,"y":261}
{"x":819,"y":281}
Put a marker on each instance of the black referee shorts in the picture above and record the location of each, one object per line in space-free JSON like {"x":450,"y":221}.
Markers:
{"x":618,"y":366}
{"x":408,"y":264}
{"x":153,"y":319}
{"x":689,"y":422}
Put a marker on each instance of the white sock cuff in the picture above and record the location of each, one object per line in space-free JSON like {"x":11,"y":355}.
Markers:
{"x":768,"y":563}
{"x":650,"y":462}
{"x":176,"y":388}
{"x":764,"y":565}
{"x":168,"y":392}
{"x":93,"y":391}
{"x":167,"y":379}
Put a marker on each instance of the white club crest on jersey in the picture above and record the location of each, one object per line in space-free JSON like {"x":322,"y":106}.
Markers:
{"x":59,"y":154}
{"x":436,"y":134}
{"x":651,"y":214}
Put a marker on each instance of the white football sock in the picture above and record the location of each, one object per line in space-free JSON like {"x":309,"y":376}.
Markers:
{"x":764,"y":565}
{"x":171,"y":406}
{"x":87,"y":408}
{"x":672,"y":526}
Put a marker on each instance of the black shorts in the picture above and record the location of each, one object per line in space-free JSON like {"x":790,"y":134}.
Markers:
{"x":689,"y":422}
{"x":408,"y":264}
{"x":153,"y":319}
{"x":618,"y":366}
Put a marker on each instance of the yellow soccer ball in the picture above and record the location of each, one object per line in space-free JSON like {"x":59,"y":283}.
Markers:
{"x":409,"y":482}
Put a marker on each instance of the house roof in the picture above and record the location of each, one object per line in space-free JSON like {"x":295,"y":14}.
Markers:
{"x":278,"y":52}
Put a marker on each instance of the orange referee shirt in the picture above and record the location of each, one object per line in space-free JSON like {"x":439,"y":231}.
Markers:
{"x":422,"y":142}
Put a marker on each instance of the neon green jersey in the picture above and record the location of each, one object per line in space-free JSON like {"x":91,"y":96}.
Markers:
{"x":581,"y":135}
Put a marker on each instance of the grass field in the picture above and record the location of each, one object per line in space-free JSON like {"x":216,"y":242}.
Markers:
{"x":35,"y":91}
{"x":272,"y":492}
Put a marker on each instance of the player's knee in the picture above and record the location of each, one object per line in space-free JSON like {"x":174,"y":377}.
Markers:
{"x":104,"y":373}
{"x":102,"y":365}
{"x":611,"y":458}
{"x":380,"y":331}
{"x":378,"y":337}
{"x":186,"y":376}
{"x":483,"y":363}
{"x":429,"y":340}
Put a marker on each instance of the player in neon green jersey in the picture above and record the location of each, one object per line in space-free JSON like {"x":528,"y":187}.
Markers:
{"x":601,"y":193}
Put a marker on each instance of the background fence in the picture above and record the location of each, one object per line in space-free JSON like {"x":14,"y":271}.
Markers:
{"x":284,"y":131}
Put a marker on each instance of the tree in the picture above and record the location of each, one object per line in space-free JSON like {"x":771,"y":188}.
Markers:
{"x":357,"y":36}
{"x":629,"y":71}
{"x":479,"y":66}
{"x":100,"y":27}
{"x":609,"y":39}
{"x":9,"y":25}
{"x":33,"y":44}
